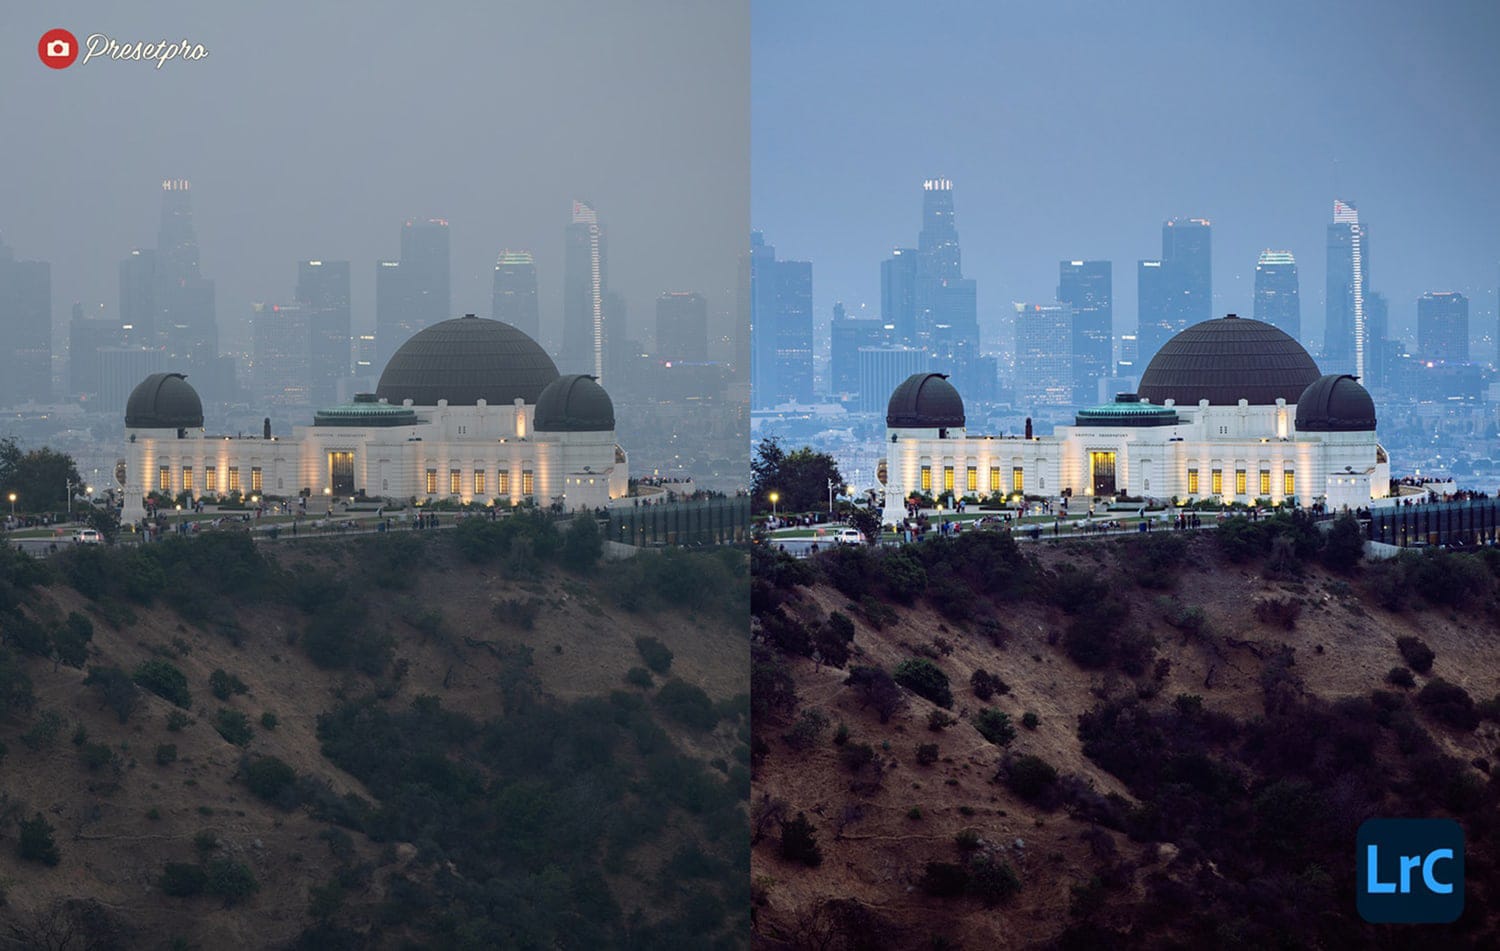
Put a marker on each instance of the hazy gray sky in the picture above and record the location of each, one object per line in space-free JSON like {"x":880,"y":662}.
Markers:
{"x":314,"y":130}
{"x":1072,"y":129}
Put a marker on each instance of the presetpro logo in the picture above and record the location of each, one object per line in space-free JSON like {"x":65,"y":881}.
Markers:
{"x":57,"y":48}
{"x":1410,"y":871}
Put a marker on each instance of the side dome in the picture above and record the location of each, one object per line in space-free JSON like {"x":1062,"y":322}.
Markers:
{"x":466,"y":360}
{"x":1228,"y":360}
{"x":925,"y":401}
{"x":575,"y":403}
{"x":1335,"y":404}
{"x":164,"y":401}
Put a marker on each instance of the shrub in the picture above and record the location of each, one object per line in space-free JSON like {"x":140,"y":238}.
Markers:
{"x":269,"y":720}
{"x":36,"y":843}
{"x":927,"y":753}
{"x":945,"y":879}
{"x":1344,"y":545}
{"x":639,"y":677}
{"x":176,"y":720}
{"x":923,"y":678}
{"x":1030,"y":720}
{"x":915,"y":812}
{"x":269,"y":778}
{"x":939,"y":720}
{"x":230,"y":880}
{"x":44,"y":731}
{"x":224,"y":684}
{"x":162,"y":678}
{"x":120,"y":692}
{"x":687,"y":704}
{"x":71,"y":640}
{"x":877,"y":688}
{"x":182,"y":880}
{"x":808,"y":729}
{"x":1032,"y":778}
{"x":1281,"y":612}
{"x":1449,"y":703}
{"x":166,"y":754}
{"x":856,"y":756}
{"x":1416,"y":653}
{"x":96,"y":755}
{"x":656,"y":654}
{"x":995,"y":726}
{"x":903,"y":575}
{"x":832,"y":639}
{"x":799,"y":841}
{"x":992,"y":880}
{"x":1401,"y":677}
{"x":985,"y":684}
{"x":582,"y":544}
{"x":233,"y":726}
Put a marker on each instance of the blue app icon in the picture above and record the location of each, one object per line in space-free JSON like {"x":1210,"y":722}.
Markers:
{"x":1410,"y":871}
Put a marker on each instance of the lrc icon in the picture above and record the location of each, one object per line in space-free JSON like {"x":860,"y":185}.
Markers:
{"x":1410,"y":871}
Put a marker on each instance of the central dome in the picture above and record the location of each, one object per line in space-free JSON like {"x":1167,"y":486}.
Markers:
{"x":1228,"y":360}
{"x":466,"y":360}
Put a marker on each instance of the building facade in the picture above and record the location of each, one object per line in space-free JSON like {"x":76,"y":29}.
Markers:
{"x":1278,"y":300}
{"x":513,"y":297}
{"x":1443,"y":327}
{"x":1087,"y":286}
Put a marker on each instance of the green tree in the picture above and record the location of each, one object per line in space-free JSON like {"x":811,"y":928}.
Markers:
{"x":582,"y":544}
{"x":120,"y":692}
{"x":799,"y":478}
{"x":36,"y":841}
{"x":162,"y":678}
{"x":1345,"y":544}
{"x":39,"y":478}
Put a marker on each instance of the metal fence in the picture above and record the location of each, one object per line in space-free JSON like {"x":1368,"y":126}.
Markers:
{"x":723,"y":521}
{"x":1469,"y":522}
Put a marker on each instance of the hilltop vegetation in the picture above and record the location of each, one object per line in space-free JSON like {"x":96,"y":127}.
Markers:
{"x":1166,"y":740}
{"x":418,"y":739}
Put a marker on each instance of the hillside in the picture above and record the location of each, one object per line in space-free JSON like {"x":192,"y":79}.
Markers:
{"x":442,"y":748}
{"x":1176,"y":765}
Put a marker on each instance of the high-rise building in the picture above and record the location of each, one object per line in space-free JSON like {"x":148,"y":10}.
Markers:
{"x":882,"y":369}
{"x":138,"y":309}
{"x":25,"y":330}
{"x":682,"y":327}
{"x":1344,"y":327}
{"x":1277,"y":298}
{"x":280,"y":370}
{"x":121,"y":370}
{"x":946,"y":304}
{"x":1443,"y":327}
{"x":185,"y":310}
{"x":1187,"y":259}
{"x":898,"y":294}
{"x":323,"y":295}
{"x":412,"y":293}
{"x":1088,"y":287}
{"x":1044,"y":355}
{"x":781,"y":326}
{"x":513,"y":298}
{"x":848,"y":336}
{"x":86,"y":338}
{"x":584,"y":289}
{"x":1153,"y":327}
{"x":1380,"y":349}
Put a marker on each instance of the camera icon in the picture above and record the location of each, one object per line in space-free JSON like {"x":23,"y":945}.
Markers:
{"x":59,"y":48}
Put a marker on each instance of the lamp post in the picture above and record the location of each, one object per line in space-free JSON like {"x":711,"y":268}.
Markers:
{"x":775,"y":497}
{"x":12,"y":505}
{"x":830,"y":496}
{"x":70,"y":497}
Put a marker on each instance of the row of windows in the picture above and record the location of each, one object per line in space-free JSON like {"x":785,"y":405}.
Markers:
{"x":1241,"y":482}
{"x":971,"y":479}
{"x":480,"y":481}
{"x":210,"y":479}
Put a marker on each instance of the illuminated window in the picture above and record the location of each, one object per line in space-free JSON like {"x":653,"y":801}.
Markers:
{"x":1265,"y":483}
{"x":1289,"y":483}
{"x":478,"y":481}
{"x":503,"y":477}
{"x":164,"y":479}
{"x":1216,"y":481}
{"x":234,"y":478}
{"x":1018,"y":479}
{"x":528,"y":484}
{"x":947,"y":478}
{"x":431,"y":481}
{"x":255,"y":479}
{"x":1192,"y":482}
{"x":1239,"y":482}
{"x":210,"y":479}
{"x":972,"y":479}
{"x":187,"y":478}
{"x":927,"y":478}
{"x":994,"y":478}
{"x":455,"y":482}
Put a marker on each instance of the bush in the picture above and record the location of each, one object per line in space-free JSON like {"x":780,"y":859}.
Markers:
{"x":923,"y":678}
{"x":832,"y":639}
{"x":176,"y":720}
{"x":808,"y":729}
{"x":44,"y":731}
{"x":985,"y":684}
{"x":687,"y":704}
{"x":875,"y":687}
{"x":120,"y":692}
{"x":1030,"y":720}
{"x":1032,"y":778}
{"x":230,"y":880}
{"x":224,"y":684}
{"x":71,"y":640}
{"x":639,"y":677}
{"x":582,"y":543}
{"x":945,"y":879}
{"x":182,"y":880}
{"x":1344,"y":545}
{"x":270,"y":778}
{"x":96,"y":755}
{"x":1281,"y":612}
{"x":927,"y":753}
{"x":856,"y":756}
{"x":233,"y":726}
{"x":1449,"y":703}
{"x":1416,"y":653}
{"x":995,"y":726}
{"x":992,"y":880}
{"x":940,"y":720}
{"x":799,"y":841}
{"x":166,"y":754}
{"x":162,"y":678}
{"x":1401,"y":677}
{"x":656,"y":654}
{"x":269,"y":720}
{"x":36,"y":843}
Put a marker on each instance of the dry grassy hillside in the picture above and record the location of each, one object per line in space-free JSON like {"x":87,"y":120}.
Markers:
{"x":914,"y":843}
{"x":399,"y":619}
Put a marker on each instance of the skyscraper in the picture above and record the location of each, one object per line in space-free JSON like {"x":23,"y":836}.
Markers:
{"x":1044,"y":355}
{"x":25,"y":329}
{"x":1088,"y":287}
{"x":413,"y":292}
{"x":583,"y":330}
{"x":1187,"y":258}
{"x":882,"y":369}
{"x":898,"y":294}
{"x":185,"y":318}
{"x":513,"y":298}
{"x":323,"y":294}
{"x":1153,"y":327}
{"x":138,"y":309}
{"x":682,"y":327}
{"x":86,"y":338}
{"x":282,"y":370}
{"x":1277,"y":298}
{"x":1344,"y":329}
{"x":1443,"y":327}
{"x":1380,"y":350}
{"x":945,"y":303}
{"x":848,"y":336}
{"x":781,"y":326}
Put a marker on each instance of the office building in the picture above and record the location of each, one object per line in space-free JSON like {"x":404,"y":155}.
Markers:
{"x":782,"y":327}
{"x":584,"y":289}
{"x":1344,"y":327}
{"x":881,"y":369}
{"x":513,"y":296}
{"x":323,"y":295}
{"x":1443,"y":327}
{"x":412,"y":292}
{"x":848,"y":336}
{"x":25,"y":330}
{"x":898,"y":294}
{"x":1277,"y":297}
{"x":682,"y":327}
{"x":1044,"y":355}
{"x":1087,"y":286}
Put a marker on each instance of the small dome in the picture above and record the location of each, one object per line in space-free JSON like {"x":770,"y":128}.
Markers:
{"x":1127,"y":410}
{"x":1335,"y":404}
{"x":466,"y":360}
{"x":164,"y":401}
{"x":575,"y":403}
{"x":925,"y":401}
{"x":1228,"y":360}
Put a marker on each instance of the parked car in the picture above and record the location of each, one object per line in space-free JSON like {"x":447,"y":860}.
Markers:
{"x":849,"y":536}
{"x":88,"y":536}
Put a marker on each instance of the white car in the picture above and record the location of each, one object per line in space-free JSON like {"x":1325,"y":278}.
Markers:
{"x":849,"y":536}
{"x":88,"y":536}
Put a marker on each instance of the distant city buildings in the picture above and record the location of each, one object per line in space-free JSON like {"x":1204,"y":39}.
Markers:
{"x":1344,"y":330}
{"x":25,"y":329}
{"x":584,"y":290}
{"x":1443,"y":327}
{"x":413,"y":292}
{"x":682,"y":327}
{"x":513,"y":296}
{"x":1044,"y":355}
{"x":782,"y":325}
{"x":1176,"y":290}
{"x":881,"y":370}
{"x":1277,"y":297}
{"x":1087,"y":286}
{"x":281,"y":370}
{"x":849,"y":336}
{"x":323,"y":295}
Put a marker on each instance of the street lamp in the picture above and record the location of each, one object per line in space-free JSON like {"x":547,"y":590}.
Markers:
{"x":775,"y":497}
{"x":70,"y":497}
{"x":12,"y":505}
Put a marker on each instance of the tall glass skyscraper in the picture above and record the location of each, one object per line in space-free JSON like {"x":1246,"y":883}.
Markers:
{"x":323,"y":295}
{"x":1175,"y":291}
{"x":1044,"y":355}
{"x":25,"y":329}
{"x":414,"y":292}
{"x":781,"y":326}
{"x":1277,"y":298}
{"x":186,"y":321}
{"x":513,"y":297}
{"x":1153,"y":328}
{"x":1088,"y":287}
{"x":584,"y":289}
{"x":1443,"y":326}
{"x":1344,"y":327}
{"x":682,"y":327}
{"x":898,"y":294}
